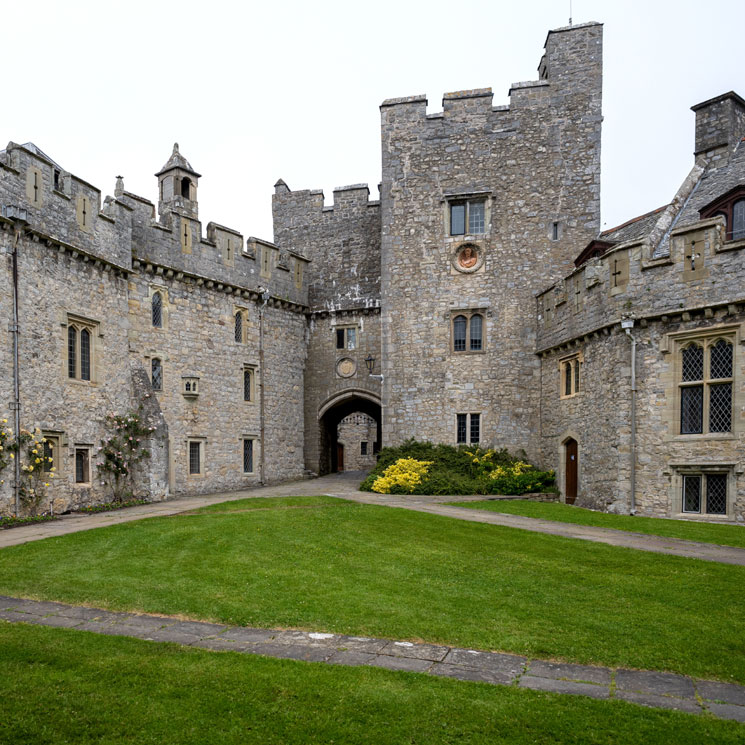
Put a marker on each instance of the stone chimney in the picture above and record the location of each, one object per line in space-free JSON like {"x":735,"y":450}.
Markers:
{"x":720,"y":123}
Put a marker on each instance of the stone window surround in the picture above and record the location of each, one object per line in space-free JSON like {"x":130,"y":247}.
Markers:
{"x":674,"y":343}
{"x":243,"y":310}
{"x":251,"y":370}
{"x":449,"y":199}
{"x":678,"y":470}
{"x":346,"y":327}
{"x":93,"y":328}
{"x":570,"y":360}
{"x":201,"y":442}
{"x":469,"y":415}
{"x":57,"y":440}
{"x":163,"y":291}
{"x":85,"y":450}
{"x":469,"y":313}
{"x":254,"y":454}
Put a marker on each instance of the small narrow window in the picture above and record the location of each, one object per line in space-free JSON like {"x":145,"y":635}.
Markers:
{"x":72,"y":346}
{"x":475,"y":428}
{"x":340,"y":338}
{"x":462,"y":423}
{"x":363,"y":448}
{"x":459,"y":334}
{"x":248,"y":456}
{"x":56,"y":179}
{"x":738,"y":220}
{"x":567,"y":378}
{"x":82,"y":471}
{"x":195,"y":458}
{"x":555,"y":231}
{"x":229,"y":251}
{"x":691,"y":493}
{"x":185,"y":184}
{"x":476,"y":333}
{"x":156,"y":374}
{"x":51,"y":448}
{"x":85,"y":354}
{"x":239,"y":326}
{"x":247,"y":385}
{"x":157,"y":310}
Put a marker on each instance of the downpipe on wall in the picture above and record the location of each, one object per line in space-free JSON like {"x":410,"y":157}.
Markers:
{"x":265,"y":295}
{"x":19,"y":218}
{"x":627,"y":324}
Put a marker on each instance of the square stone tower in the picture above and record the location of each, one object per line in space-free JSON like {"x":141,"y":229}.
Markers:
{"x":482,"y":207}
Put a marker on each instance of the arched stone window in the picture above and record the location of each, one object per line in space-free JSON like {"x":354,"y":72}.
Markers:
{"x":467,"y":331}
{"x":72,"y":352}
{"x":85,"y":354}
{"x":157,"y":310}
{"x":459,"y":333}
{"x":156,"y":374}
{"x":738,"y":220}
{"x":476,"y":332}
{"x":239,"y":326}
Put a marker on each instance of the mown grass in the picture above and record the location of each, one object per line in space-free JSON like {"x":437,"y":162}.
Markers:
{"x":63,"y":686}
{"x":726,"y":535}
{"x":377,"y":571}
{"x":263,"y":503}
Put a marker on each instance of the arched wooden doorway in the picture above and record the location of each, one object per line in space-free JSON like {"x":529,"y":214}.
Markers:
{"x":571,"y":470}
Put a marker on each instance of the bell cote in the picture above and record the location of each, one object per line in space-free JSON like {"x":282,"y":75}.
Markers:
{"x":177,"y":186}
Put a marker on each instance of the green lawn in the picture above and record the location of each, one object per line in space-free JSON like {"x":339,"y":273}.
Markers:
{"x":377,"y":571}
{"x":726,"y":535}
{"x":64,"y":686}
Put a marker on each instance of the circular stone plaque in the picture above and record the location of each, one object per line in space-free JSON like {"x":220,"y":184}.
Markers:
{"x":346,"y":367}
{"x":467,"y":258}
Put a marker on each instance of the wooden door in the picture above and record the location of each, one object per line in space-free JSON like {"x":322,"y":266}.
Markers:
{"x":571,"y":460}
{"x":339,"y":457}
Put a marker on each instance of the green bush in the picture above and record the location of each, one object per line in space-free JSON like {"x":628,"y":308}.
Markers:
{"x":464,"y":470}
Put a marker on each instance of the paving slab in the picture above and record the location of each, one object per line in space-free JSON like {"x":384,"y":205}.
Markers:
{"x":725,"y":693}
{"x":660,"y":702}
{"x":169,"y":634}
{"x":566,"y":671}
{"x":350,"y":657}
{"x":564,"y":686}
{"x":223,"y":645}
{"x":473,"y":674}
{"x":292,"y":652}
{"x":503,"y":664}
{"x":727,"y":711}
{"x":361,"y":644}
{"x":400,"y":663}
{"x":416,"y":651}
{"x":645,"y":681}
{"x":310,"y":638}
{"x":240,"y":634}
{"x":64,"y":622}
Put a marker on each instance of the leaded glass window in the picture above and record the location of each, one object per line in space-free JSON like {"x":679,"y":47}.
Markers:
{"x":705,"y":493}
{"x":157,"y":310}
{"x":248,"y":456}
{"x":247,"y":384}
{"x":475,"y":217}
{"x":570,"y":375}
{"x":195,"y":459}
{"x":706,"y":387}
{"x":156,"y":374}
{"x":476,"y":332}
{"x":81,"y":466}
{"x":85,"y":354}
{"x":72,"y":351}
{"x":239,"y":326}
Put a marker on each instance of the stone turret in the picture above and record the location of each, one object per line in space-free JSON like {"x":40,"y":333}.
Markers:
{"x":177,"y":186}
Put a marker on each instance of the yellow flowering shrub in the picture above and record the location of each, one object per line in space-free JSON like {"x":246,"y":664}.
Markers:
{"x":402,"y":477}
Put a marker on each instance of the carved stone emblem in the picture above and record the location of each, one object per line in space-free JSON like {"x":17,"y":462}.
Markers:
{"x":467,"y":258}
{"x":346,"y":367}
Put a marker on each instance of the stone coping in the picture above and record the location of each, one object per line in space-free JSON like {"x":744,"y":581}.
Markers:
{"x":645,"y":687}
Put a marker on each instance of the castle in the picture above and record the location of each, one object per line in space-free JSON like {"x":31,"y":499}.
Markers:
{"x":476,"y":302}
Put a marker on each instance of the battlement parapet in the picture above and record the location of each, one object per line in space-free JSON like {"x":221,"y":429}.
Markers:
{"x":629,"y":282}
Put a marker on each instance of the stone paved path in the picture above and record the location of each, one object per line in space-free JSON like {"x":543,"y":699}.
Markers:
{"x":662,"y":690}
{"x":345,"y":486}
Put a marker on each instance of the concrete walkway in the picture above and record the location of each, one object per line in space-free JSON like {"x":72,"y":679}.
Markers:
{"x":661,"y":690}
{"x":345,"y":486}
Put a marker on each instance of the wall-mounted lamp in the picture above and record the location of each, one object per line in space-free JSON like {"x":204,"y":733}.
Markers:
{"x":370,"y":363}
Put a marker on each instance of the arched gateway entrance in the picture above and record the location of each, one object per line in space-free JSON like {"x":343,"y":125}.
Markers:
{"x":338,"y":407}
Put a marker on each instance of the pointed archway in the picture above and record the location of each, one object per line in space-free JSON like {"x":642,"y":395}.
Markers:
{"x":331,"y":413}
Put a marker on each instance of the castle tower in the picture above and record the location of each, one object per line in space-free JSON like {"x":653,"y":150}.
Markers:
{"x":177,"y":186}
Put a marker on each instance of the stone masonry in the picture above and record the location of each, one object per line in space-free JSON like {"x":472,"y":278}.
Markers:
{"x":475,"y":303}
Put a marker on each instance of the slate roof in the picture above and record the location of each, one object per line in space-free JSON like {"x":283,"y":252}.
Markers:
{"x":177,"y":161}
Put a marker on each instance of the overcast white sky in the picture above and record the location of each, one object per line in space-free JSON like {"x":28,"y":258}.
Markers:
{"x":254,"y":92}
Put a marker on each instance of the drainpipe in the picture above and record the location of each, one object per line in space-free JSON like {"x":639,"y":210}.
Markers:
{"x":19,"y":218}
{"x":265,"y":295}
{"x":627,"y":324}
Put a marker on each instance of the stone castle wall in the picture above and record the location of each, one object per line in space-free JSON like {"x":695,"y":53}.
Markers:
{"x":536,"y":164}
